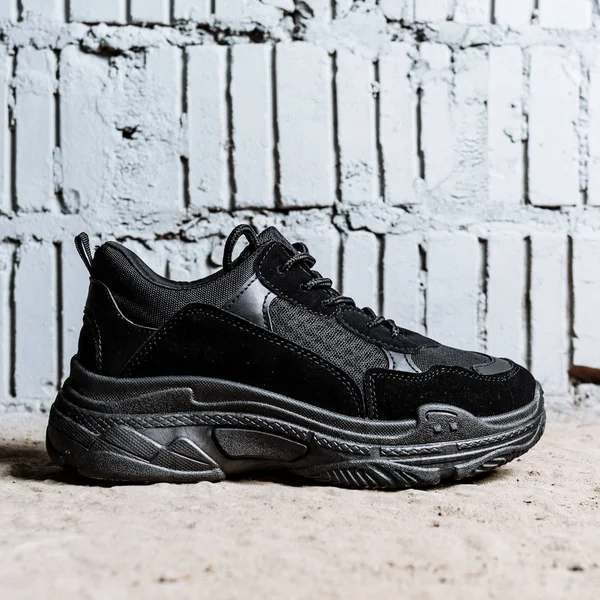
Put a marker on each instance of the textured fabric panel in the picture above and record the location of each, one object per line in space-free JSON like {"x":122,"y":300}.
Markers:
{"x":328,"y":338}
{"x":151,"y":300}
{"x":445,"y":356}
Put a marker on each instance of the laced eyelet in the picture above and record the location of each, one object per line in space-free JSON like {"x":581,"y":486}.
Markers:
{"x":326,"y":303}
{"x":281,"y":269}
{"x":304,"y":287}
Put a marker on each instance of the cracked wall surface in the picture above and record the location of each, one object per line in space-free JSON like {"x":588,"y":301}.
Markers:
{"x":440,"y":158}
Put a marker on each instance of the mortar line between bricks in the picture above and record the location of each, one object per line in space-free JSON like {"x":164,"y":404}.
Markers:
{"x":13,"y":137}
{"x":172,"y":11}
{"x":12,"y":315}
{"x":527,"y":303}
{"x":20,"y":10}
{"x":378,"y":143}
{"x":128,"y":18}
{"x":335,"y":120}
{"x":525,"y":116}
{"x":493,"y":12}
{"x":67,"y":11}
{"x":275,"y":125}
{"x":213,"y":7}
{"x":482,"y":304}
{"x":185,"y":162}
{"x":58,"y":189}
{"x":419,"y":132}
{"x":59,"y":314}
{"x":570,"y":301}
{"x":230,"y":132}
{"x":582,"y":131}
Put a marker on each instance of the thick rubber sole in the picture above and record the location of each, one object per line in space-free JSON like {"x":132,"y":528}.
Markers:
{"x":197,"y":429}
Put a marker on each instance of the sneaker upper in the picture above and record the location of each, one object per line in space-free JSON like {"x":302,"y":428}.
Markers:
{"x":268,"y":320}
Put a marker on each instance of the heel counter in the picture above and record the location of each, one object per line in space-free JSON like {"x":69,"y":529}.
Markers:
{"x":107,"y":339}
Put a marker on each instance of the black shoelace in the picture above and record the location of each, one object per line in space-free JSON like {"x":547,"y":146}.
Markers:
{"x":303,"y":257}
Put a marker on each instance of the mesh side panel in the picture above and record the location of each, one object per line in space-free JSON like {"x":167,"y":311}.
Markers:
{"x":444,"y":356}
{"x":152,"y":303}
{"x":327,"y":338}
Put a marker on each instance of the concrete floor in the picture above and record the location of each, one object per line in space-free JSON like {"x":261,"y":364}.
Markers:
{"x":529,"y":530}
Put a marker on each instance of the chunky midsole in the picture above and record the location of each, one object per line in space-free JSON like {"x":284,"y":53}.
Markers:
{"x":187,"y":429}
{"x":183,"y":401}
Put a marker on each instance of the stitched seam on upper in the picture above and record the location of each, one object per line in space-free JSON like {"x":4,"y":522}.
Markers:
{"x":129,"y":324}
{"x":233,"y":300}
{"x":144,"y":351}
{"x":441,"y":370}
{"x":97,"y":337}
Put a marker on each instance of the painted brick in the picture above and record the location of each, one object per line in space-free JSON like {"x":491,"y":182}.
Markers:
{"x":192,"y":10}
{"x":401,"y":293}
{"x":252,"y":10}
{"x":505,"y":322}
{"x":432,"y":10}
{"x":505,"y":124}
{"x":252,"y":113}
{"x":304,"y":111}
{"x":473,"y":12}
{"x":148,"y":103}
{"x":514,"y":13}
{"x":86,"y":143}
{"x":5,"y":183}
{"x":398,"y":10}
{"x":586,"y":291}
{"x":360,"y":273}
{"x":549,"y":323}
{"x":34,"y":113}
{"x":50,"y":9}
{"x":437,"y":132}
{"x":553,"y":115}
{"x":397,"y":131}
{"x":106,"y":11}
{"x":35,"y":287}
{"x":207,"y":126}
{"x":150,"y":11}
{"x":557,"y":14}
{"x":356,"y":128}
{"x":120,"y":129}
{"x":8,"y":9}
{"x":469,"y":111}
{"x":453,"y":268}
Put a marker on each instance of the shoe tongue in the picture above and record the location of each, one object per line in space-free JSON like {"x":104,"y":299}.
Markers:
{"x":271,"y":234}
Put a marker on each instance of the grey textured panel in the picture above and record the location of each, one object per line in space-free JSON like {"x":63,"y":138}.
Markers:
{"x":328,"y":338}
{"x":397,"y":361}
{"x":252,"y":303}
{"x":498,"y":365}
{"x":445,"y":356}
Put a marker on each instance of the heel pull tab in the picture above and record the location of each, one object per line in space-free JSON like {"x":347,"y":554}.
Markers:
{"x":82,"y":243}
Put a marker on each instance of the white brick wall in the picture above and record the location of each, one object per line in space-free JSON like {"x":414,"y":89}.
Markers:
{"x":441,"y":159}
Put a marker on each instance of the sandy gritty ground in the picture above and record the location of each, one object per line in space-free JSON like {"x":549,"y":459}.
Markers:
{"x":529,"y":530}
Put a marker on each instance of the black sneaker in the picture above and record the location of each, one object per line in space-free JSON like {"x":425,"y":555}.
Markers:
{"x":264,"y":366}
